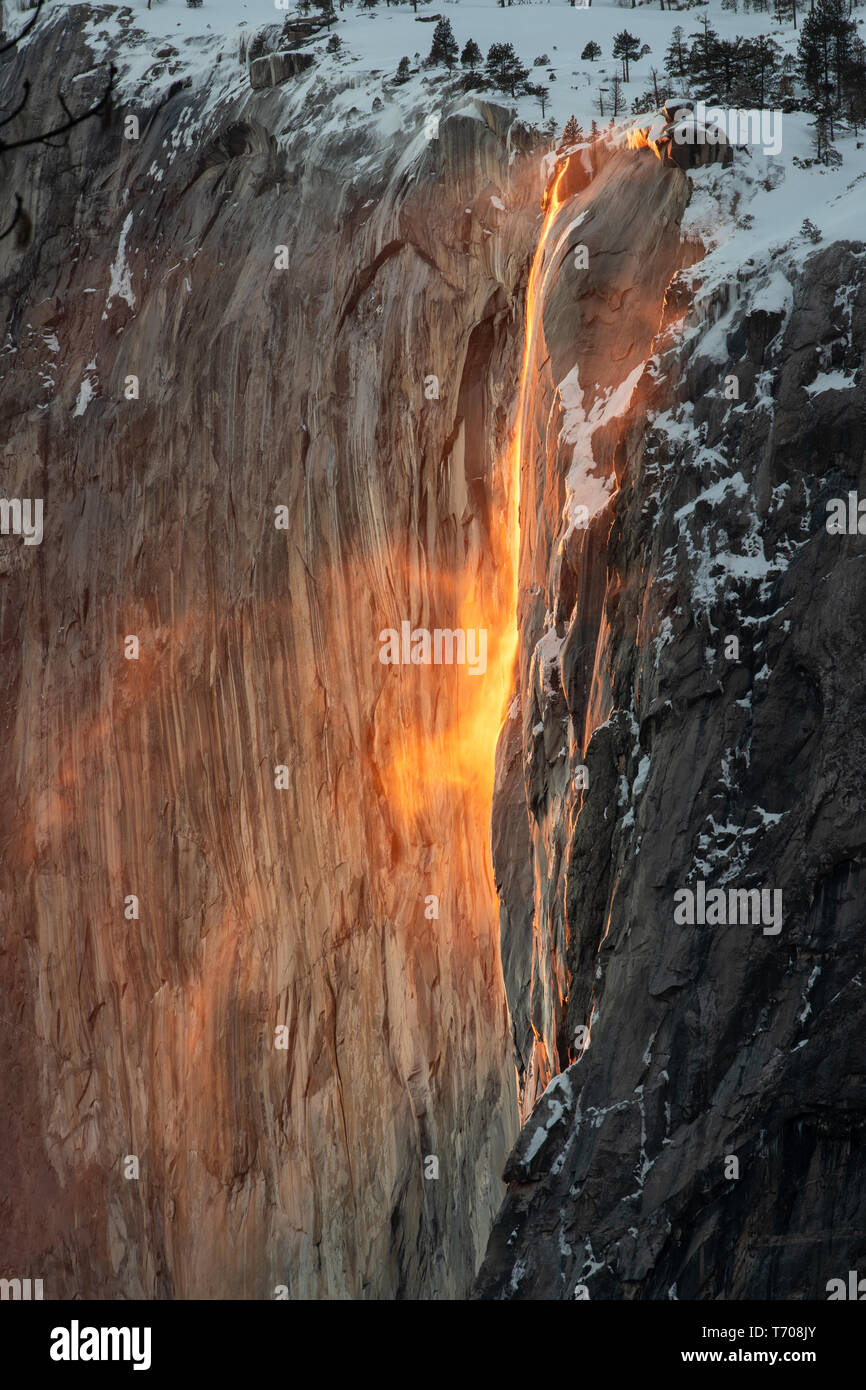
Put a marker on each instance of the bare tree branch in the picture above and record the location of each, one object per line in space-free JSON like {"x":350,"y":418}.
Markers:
{"x":71,"y":121}
{"x":4,"y":48}
{"x":20,"y":107}
{"x":20,"y":218}
{"x":18,"y":210}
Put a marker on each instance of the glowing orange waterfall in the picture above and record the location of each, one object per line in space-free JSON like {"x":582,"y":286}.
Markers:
{"x":459,"y":754}
{"x":544,"y":264}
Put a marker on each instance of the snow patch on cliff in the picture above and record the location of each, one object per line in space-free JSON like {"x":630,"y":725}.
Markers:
{"x":587,"y":493}
{"x":86,"y":391}
{"x":121,"y":279}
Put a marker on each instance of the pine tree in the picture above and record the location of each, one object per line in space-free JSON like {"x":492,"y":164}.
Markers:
{"x":591,"y":52}
{"x":471,"y":55}
{"x":541,"y":94}
{"x":402,"y":70}
{"x":504,"y":69}
{"x":444,"y":46}
{"x":571,"y":135}
{"x":329,"y":14}
{"x":820,"y":138}
{"x":761,"y":59}
{"x":627,"y":48}
{"x":728,"y":61}
{"x":855,"y":85}
{"x":826,"y":48}
{"x":703,"y":64}
{"x":785,"y":10}
{"x":677,"y":55}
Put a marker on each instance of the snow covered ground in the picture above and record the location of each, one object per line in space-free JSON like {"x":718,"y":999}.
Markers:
{"x":750,"y":213}
{"x":375,"y":40}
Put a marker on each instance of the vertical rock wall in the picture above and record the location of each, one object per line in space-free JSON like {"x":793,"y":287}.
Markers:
{"x":683,"y":1047}
{"x":304,"y":908}
{"x":614,"y":247}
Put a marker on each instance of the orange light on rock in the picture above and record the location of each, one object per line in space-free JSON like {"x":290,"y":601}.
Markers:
{"x":639,"y":140}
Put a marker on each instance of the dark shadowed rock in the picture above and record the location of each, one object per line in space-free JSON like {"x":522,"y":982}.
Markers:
{"x":271,"y":69}
{"x":712,"y":1043}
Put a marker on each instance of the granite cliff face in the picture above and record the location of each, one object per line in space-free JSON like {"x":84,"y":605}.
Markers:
{"x":309,"y":907}
{"x":266,"y":361}
{"x":615,"y":245}
{"x":672,"y":1049}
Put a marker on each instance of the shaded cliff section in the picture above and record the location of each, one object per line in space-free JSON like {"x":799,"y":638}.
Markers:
{"x":706,"y":1043}
{"x":301,"y":908}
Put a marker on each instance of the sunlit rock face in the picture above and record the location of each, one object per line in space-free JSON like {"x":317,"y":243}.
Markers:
{"x":615,"y":246}
{"x":701,"y":1136}
{"x":254,"y":1033}
{"x":351,"y":906}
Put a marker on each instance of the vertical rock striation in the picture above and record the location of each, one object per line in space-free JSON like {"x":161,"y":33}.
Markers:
{"x":306,"y":908}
